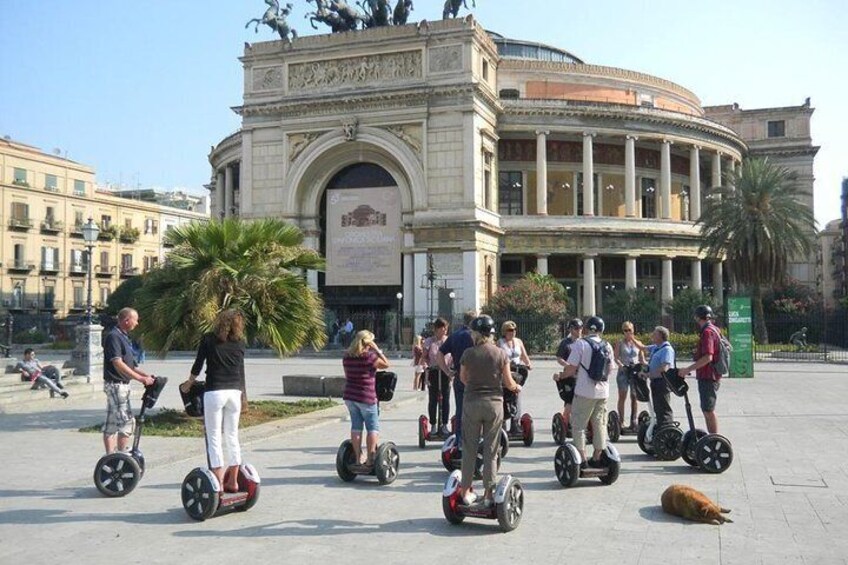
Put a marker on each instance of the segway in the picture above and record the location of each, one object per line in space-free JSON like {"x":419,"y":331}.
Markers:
{"x":201,"y":492}
{"x":434,"y":378}
{"x":559,"y":430}
{"x":451,"y":456}
{"x":117,"y":474}
{"x":508,"y":507}
{"x":661,"y":441}
{"x":522,"y":431}
{"x":712,"y":453}
{"x":635,"y":383}
{"x":569,"y":465}
{"x":386,"y":459}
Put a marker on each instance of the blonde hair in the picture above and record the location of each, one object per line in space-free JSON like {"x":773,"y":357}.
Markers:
{"x":360,"y":343}
{"x":508,"y":325}
{"x":417,"y":341}
{"x":480,"y":339}
{"x":628,"y":325}
{"x":229,"y":326}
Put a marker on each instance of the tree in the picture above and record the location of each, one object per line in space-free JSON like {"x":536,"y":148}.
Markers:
{"x":684,"y":304}
{"x":635,"y":305}
{"x":536,"y":303}
{"x":124,"y":295}
{"x":253,"y":266}
{"x":757,"y":222}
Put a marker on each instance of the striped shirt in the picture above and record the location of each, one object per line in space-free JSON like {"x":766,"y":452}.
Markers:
{"x":360,"y":379}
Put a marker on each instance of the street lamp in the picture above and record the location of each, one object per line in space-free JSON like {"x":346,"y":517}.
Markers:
{"x":399,"y":297}
{"x":90,"y":232}
{"x":452,"y":296}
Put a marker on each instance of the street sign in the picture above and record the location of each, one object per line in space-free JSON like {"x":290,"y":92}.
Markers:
{"x":741,"y":337}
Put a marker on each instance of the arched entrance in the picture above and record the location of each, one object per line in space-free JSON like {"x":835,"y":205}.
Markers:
{"x":359,"y":221}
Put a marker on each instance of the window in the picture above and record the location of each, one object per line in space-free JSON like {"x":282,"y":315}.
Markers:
{"x":18,"y":295}
{"x":150,"y":226}
{"x":511,"y":193}
{"x":104,"y":295}
{"x":510,"y":94}
{"x":650,"y":268}
{"x":79,"y":188}
{"x":79,"y":261}
{"x":126,"y":261}
{"x":104,"y":261}
{"x":51,"y":183}
{"x":49,"y":258}
{"x":649,"y":198}
{"x":19,"y":255}
{"x":777,"y":128}
{"x":105,"y":221}
{"x":512,"y":266}
{"x":485,"y":70}
{"x":50,"y":214}
{"x":79,"y":218}
{"x":20,"y":212}
{"x":646,"y":100}
{"x":596,"y":200}
{"x":20,"y":177}
{"x":128,"y":223}
{"x":49,"y":296}
{"x":79,"y":297}
{"x":488,"y":197}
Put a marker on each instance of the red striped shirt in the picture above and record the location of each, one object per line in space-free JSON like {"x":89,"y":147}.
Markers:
{"x":360,"y":378}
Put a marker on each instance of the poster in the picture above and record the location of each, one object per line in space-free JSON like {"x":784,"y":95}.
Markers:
{"x":741,"y":338}
{"x":363,"y":237}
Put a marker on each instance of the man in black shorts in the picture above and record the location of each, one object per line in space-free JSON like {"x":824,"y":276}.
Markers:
{"x":119,"y":368}
{"x":566,"y":384}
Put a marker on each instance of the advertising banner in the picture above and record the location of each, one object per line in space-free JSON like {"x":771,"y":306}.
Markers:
{"x":741,"y":337}
{"x":363,"y":237}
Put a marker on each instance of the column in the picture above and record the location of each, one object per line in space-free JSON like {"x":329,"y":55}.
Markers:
{"x":219,"y":195}
{"x":715,"y":180}
{"x":420,"y":306}
{"x":312,"y":241}
{"x":228,"y":191}
{"x":630,"y":273}
{"x":408,"y":284}
{"x":542,"y":264}
{"x":630,"y":176}
{"x":589,"y":285}
{"x":542,"y":173}
{"x":665,"y":179}
{"x":588,"y":177}
{"x":667,"y":282}
{"x":696,"y":275}
{"x":694,"y":183}
{"x":246,"y":174}
{"x":732,"y":173}
{"x":470,"y":281}
{"x":718,"y":282}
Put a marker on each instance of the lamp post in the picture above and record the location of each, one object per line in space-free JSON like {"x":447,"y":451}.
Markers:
{"x":399,"y":297}
{"x":452,"y":297}
{"x":90,"y":232}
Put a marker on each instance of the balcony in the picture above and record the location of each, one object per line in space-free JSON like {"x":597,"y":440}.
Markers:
{"x":108,"y":233}
{"x":20,"y":182}
{"x":50,"y":267}
{"x":49,"y":225}
{"x":51,"y":305}
{"x":20,"y":266}
{"x":76,"y":230}
{"x":104,"y":271}
{"x":127,"y":272}
{"x":129,"y":235}
{"x":77,"y":307}
{"x":51,"y":188}
{"x":78,"y":270}
{"x":22,"y":224}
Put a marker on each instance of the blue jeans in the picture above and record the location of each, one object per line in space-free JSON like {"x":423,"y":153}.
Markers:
{"x":363,"y":414}
{"x":458,"y":395}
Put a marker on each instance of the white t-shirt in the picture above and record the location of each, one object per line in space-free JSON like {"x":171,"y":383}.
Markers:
{"x":581,"y":356}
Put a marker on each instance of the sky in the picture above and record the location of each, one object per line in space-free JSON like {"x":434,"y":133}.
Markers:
{"x":141,"y":91}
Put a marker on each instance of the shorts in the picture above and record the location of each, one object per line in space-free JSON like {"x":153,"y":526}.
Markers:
{"x":119,"y":417}
{"x":622,"y":379}
{"x":707,"y":390}
{"x":361,"y":413}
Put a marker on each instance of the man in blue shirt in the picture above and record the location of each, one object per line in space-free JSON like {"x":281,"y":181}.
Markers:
{"x":661,"y":355}
{"x":455,"y":345}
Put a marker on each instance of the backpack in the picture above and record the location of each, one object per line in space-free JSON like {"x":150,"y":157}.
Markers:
{"x":721,"y":365}
{"x":600,"y":361}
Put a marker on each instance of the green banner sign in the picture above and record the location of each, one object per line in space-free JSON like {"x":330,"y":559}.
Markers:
{"x":741,"y":336}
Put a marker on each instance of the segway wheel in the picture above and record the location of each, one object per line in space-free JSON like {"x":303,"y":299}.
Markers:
{"x":644,"y":416}
{"x":504,"y":445}
{"x":386,"y":463}
{"x":668,"y":443}
{"x":449,"y":507}
{"x":566,"y":467}
{"x":558,"y":429}
{"x":345,"y":457}
{"x":641,"y":438}
{"x":613,"y":470}
{"x":116,"y":474}
{"x":200,"y":495}
{"x":511,"y":509}
{"x":613,"y":426}
{"x":527,"y":432}
{"x":690,"y":440}
{"x":248,"y":480}
{"x":449,"y":451}
{"x":714,"y":453}
{"x":423,"y":422}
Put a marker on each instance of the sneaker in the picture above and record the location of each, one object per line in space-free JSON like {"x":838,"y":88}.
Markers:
{"x":596,"y":463}
{"x":433,"y":430}
{"x":444,"y":431}
{"x":65,"y":394}
{"x":469,"y":498}
{"x":488,"y":502}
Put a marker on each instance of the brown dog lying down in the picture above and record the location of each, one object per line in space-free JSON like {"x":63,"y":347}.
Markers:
{"x":686,"y":502}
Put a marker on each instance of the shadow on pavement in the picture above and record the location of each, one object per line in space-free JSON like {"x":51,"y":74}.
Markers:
{"x":656,"y":514}
{"x":40,"y":516}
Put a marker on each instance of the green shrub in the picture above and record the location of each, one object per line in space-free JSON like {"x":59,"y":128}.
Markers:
{"x":684,"y":304}
{"x":637,"y":305}
{"x":684,"y":344}
{"x":30,"y":336}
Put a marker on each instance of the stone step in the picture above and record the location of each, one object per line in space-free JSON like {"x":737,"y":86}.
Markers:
{"x":17,"y":393}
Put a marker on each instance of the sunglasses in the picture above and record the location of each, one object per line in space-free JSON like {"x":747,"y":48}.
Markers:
{"x":628,"y":331}
{"x":509,"y":330}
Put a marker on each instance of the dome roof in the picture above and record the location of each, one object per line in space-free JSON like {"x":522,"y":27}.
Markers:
{"x":518,"y":49}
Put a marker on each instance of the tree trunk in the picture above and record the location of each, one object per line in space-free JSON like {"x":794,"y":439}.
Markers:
{"x":760,"y":330}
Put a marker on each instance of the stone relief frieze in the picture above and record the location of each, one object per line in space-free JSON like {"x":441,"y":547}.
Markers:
{"x":446,"y":59}
{"x":410,"y":134}
{"x":267,"y":78}
{"x":355,"y":71}
{"x":298,"y":142}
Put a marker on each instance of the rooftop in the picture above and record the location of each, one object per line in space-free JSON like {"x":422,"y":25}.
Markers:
{"x":519,"y":49}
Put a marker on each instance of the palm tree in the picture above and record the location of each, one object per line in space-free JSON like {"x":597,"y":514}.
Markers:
{"x":757,"y":222}
{"x":253,"y":266}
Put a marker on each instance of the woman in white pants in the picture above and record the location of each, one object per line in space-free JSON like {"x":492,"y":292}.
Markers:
{"x":223,"y":352}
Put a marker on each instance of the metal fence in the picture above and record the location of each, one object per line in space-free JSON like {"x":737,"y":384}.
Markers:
{"x":825,"y":338}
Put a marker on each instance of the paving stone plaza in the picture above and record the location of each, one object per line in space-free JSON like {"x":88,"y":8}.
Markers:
{"x":787,"y":488}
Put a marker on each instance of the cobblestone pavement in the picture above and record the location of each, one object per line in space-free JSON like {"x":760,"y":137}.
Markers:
{"x":787,"y":487}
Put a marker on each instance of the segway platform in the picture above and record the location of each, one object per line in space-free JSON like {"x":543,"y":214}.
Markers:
{"x":202,"y":497}
{"x":507,"y":509}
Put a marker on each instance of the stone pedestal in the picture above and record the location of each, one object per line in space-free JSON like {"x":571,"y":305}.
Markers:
{"x":87,"y":356}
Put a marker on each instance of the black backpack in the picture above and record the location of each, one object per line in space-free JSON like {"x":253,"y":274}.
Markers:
{"x":600,"y":361}
{"x":385,"y":383}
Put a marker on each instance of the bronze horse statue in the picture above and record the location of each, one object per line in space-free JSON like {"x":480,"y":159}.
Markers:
{"x":401,"y":13}
{"x":324,"y":15}
{"x":377,"y":12}
{"x":275,"y":18}
{"x":452,"y":8}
